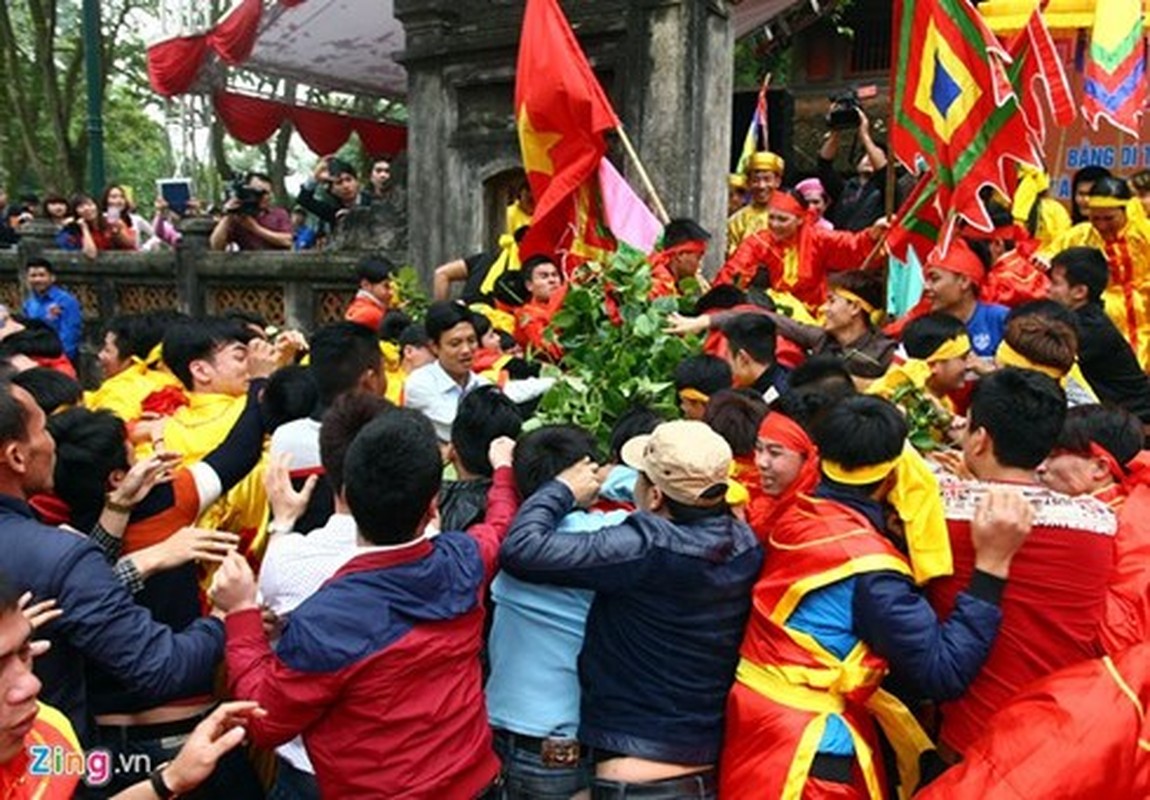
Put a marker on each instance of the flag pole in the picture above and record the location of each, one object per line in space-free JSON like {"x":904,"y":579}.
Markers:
{"x":660,"y":209}
{"x":908,"y":209}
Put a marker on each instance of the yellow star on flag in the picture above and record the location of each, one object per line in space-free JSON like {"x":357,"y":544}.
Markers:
{"x":536,"y":145}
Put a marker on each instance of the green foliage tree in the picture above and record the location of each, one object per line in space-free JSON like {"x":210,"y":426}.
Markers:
{"x":616,"y":353}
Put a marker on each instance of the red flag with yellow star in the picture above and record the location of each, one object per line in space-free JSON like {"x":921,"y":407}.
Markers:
{"x":562,"y":114}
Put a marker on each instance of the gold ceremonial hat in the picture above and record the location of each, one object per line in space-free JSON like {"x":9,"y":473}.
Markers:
{"x":765,"y":161}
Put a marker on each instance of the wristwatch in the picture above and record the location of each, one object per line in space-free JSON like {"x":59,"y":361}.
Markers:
{"x":156,"y":779}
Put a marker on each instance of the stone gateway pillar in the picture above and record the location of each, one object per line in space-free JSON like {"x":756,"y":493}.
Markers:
{"x":666,"y":65}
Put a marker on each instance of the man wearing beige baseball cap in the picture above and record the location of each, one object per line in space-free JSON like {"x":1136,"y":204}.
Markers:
{"x":673,"y":584}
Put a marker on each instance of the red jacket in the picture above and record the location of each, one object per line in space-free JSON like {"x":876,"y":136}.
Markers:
{"x":1051,"y":609}
{"x":365,"y":310}
{"x":379,"y":670}
{"x":1077,"y":734}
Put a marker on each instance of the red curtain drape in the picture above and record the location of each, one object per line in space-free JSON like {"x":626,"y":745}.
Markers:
{"x":252,"y":120}
{"x":173,"y":64}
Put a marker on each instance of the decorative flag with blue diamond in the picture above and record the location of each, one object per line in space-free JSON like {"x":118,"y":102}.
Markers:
{"x":955,"y":112}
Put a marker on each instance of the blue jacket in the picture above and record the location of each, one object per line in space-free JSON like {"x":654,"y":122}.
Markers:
{"x":101,"y":623}
{"x":664,"y":630}
{"x":68,"y":324}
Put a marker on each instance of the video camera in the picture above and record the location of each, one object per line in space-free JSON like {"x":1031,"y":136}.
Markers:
{"x":845,"y":110}
{"x":248,"y":196}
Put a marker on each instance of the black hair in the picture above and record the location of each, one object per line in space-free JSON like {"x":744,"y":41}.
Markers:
{"x":342,"y":421}
{"x":484,"y":415}
{"x":807,"y":404}
{"x":481,"y":324}
{"x":190,"y":341}
{"x":545,"y":452}
{"x":37,"y":340}
{"x":635,"y":421}
{"x":50,"y":388}
{"x":13,"y":416}
{"x":1051,"y":309}
{"x":1088,"y":174}
{"x":981,"y":248}
{"x":444,"y":315}
{"x":415,"y":335}
{"x":720,"y":297}
{"x":39,"y":261}
{"x":527,"y":270}
{"x":859,"y":432}
{"x":1084,"y":266}
{"x":1112,"y":187}
{"x":89,"y":446}
{"x":704,"y":372}
{"x":927,"y":333}
{"x":1111,"y":427}
{"x":340,"y":353}
{"x":753,"y":333}
{"x":290,"y":394}
{"x":245,"y":317}
{"x":1022,"y":411}
{"x":825,"y":372}
{"x":394,"y":323}
{"x":869,"y":284}
{"x":736,"y":416}
{"x":374,"y":269}
{"x":683,"y":229}
{"x":392,"y":472}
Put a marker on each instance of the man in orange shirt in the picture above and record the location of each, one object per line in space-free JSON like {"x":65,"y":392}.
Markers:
{"x":374,"y":296}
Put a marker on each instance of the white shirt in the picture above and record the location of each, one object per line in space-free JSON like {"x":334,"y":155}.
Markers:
{"x":294,"y":568}
{"x":431,"y":390}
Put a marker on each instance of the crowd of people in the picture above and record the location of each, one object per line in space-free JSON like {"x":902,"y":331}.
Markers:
{"x":871,"y":557}
{"x":247,"y":219}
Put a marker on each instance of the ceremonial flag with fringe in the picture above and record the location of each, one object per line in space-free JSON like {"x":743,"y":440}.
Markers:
{"x":758,"y":136}
{"x":1114,"y":85}
{"x":562,"y":114}
{"x":954,"y":110}
{"x":1036,"y":68}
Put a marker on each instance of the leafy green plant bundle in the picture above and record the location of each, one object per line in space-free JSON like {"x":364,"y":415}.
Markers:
{"x":927,"y":420}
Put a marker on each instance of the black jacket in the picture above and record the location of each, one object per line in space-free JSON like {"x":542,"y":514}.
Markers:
{"x":1109,"y":363}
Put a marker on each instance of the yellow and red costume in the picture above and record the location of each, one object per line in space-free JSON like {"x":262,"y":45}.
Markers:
{"x":532,"y":321}
{"x":1082,"y":732}
{"x":788,"y":685}
{"x":663,"y":281}
{"x":124,"y":393}
{"x":798,"y":266}
{"x":1125,"y":298}
{"x":751,"y":218}
{"x":53,"y":731}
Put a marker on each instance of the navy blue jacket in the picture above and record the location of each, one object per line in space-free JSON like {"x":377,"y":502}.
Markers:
{"x":663,"y":634}
{"x":101,"y":623}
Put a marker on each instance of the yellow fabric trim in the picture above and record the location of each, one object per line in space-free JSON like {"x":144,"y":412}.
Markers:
{"x":1077,"y":377}
{"x":1123,"y":686}
{"x":914,"y":371}
{"x":58,"y":721}
{"x":791,"y":267}
{"x":799,"y":589}
{"x":694,"y":394}
{"x":958,"y":347}
{"x":507,"y":261}
{"x":917,"y":498}
{"x":860,"y":476}
{"x":804,"y":757}
{"x":1007,"y":356}
{"x":873,"y":314}
{"x":1106,"y":202}
{"x":1143,"y":744}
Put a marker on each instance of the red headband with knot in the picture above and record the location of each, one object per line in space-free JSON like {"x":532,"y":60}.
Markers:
{"x":764,"y":509}
{"x":959,"y":259}
{"x":782,"y":201}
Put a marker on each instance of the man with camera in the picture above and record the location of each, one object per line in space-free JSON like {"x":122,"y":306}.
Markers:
{"x":250,"y":221}
{"x":858,"y":202}
{"x":342,"y":192}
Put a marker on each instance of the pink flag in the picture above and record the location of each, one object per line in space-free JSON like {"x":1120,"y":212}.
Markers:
{"x":627,"y":216}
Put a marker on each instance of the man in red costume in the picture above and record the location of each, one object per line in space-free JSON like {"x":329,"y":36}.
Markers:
{"x":682,"y":251}
{"x":797,"y":256}
{"x":1058,"y":581}
{"x":1099,"y":454}
{"x":788,"y":464}
{"x":1013,"y":276}
{"x":544,"y":284}
{"x":1079,"y":733}
{"x":836,"y":608}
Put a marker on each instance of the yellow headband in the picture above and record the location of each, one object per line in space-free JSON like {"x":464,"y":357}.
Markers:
{"x":918,"y":500}
{"x":1095,"y":201}
{"x":694,"y":394}
{"x":874,"y":314}
{"x":958,"y":347}
{"x":1007,"y":356}
{"x":859,"y":476}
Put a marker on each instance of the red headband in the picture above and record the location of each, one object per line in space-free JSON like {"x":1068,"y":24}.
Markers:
{"x":782,"y":201}
{"x":1133,"y":473}
{"x":782,"y":429}
{"x":959,"y":259}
